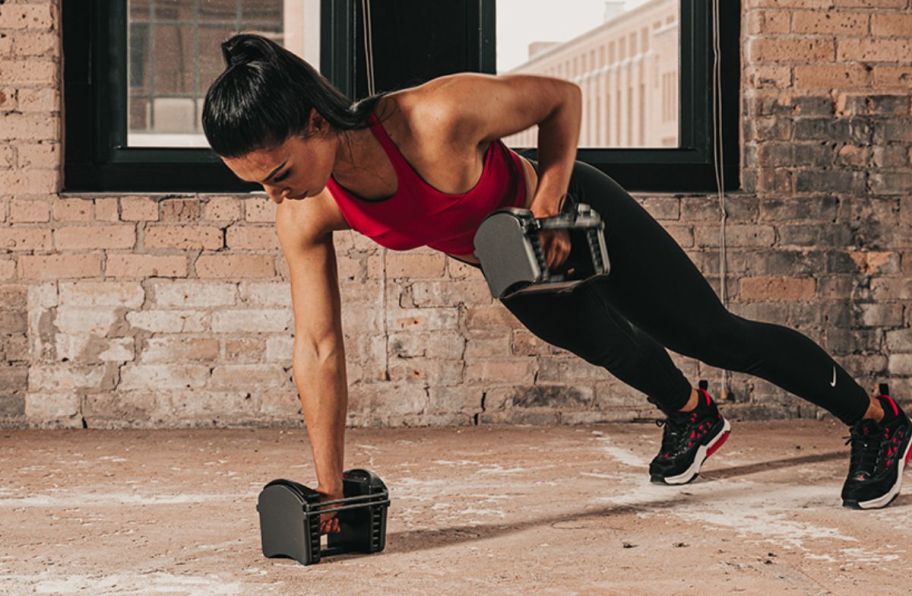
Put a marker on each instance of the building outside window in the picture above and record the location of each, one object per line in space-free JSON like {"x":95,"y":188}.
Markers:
{"x":540,"y":36}
{"x":174,"y":55}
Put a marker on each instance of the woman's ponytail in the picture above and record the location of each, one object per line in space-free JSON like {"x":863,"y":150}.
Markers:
{"x":265,"y":95}
{"x":245,"y":48}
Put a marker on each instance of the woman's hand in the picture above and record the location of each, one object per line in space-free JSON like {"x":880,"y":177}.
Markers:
{"x":329,"y":522}
{"x":555,"y":243}
{"x":556,"y":246}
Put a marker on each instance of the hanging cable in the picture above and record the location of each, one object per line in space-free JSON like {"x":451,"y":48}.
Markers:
{"x":371,"y":90}
{"x":718,"y":169}
{"x":368,"y":46}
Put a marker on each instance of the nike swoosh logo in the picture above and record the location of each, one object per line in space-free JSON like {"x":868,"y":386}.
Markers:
{"x":833,"y":383}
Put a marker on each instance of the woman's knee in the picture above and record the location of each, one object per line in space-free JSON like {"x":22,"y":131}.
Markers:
{"x":579,"y":322}
{"x":726,"y":343}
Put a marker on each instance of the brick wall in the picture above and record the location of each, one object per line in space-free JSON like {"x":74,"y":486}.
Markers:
{"x":174,"y":310}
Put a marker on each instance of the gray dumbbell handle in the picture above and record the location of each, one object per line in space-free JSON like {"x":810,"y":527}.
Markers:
{"x":360,"y":506}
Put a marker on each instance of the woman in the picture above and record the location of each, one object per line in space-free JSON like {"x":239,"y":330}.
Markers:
{"x":423,"y":166}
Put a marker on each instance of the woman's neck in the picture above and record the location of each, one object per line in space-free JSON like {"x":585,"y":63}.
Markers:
{"x":352,"y":156}
{"x":362,"y":166}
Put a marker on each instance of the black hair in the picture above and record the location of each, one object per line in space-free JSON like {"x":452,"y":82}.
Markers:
{"x":265,"y":95}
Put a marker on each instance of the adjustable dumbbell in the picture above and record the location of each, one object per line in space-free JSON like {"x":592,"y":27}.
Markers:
{"x":513,"y":261}
{"x":290,"y":518}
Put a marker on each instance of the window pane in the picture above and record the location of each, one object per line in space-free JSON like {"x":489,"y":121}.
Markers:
{"x":174,"y":59}
{"x":213,"y":11}
{"x":211,"y":63}
{"x":257,"y":10}
{"x":172,"y":10}
{"x":175,"y":54}
{"x":624,"y":55}
{"x":139,"y":9}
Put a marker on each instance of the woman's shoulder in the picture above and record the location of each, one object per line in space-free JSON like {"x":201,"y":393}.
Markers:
{"x":424,"y":115}
{"x":303,"y":221}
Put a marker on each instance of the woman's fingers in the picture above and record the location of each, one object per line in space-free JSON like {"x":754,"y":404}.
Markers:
{"x":560,"y":248}
{"x":330,"y":526}
{"x":556,"y":246}
{"x":565,"y":247}
{"x":329,"y":523}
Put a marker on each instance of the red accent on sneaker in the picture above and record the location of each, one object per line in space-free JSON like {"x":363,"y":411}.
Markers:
{"x":706,"y":395}
{"x":718,"y":444}
{"x":892,"y":404}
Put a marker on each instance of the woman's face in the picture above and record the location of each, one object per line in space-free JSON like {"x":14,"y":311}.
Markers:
{"x":296,"y":169}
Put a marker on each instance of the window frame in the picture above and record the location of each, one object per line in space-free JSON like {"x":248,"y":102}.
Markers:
{"x":688,"y":167}
{"x":95,"y":74}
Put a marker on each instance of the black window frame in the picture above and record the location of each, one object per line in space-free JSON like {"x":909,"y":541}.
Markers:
{"x":95,"y":104}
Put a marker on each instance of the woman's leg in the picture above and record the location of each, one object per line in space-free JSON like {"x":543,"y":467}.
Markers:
{"x":654,"y":285}
{"x":585,"y":324}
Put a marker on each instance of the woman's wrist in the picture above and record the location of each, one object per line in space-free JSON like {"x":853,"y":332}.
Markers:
{"x":545,"y":205}
{"x":330,"y":488}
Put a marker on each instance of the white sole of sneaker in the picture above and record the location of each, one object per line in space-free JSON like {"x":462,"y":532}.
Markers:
{"x":884,"y":500}
{"x":703,"y":452}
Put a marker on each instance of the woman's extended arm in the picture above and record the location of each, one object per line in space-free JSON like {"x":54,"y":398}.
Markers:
{"x":318,"y":362}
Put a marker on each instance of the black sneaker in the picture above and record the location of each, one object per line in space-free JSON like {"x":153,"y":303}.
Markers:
{"x":880,"y":452}
{"x":688,"y":439}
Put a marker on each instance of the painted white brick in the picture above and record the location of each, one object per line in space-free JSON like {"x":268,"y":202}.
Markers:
{"x":195,"y":403}
{"x":42,"y":296}
{"x":64,"y":377}
{"x":193,"y":294}
{"x":265,"y":293}
{"x":51,"y":405}
{"x":279,"y":348}
{"x":163,"y":376}
{"x":252,"y":321}
{"x":85,"y":320}
{"x":89,"y":348}
{"x":169,"y":321}
{"x":248,"y":376}
{"x":280,"y":404}
{"x":101,"y":293}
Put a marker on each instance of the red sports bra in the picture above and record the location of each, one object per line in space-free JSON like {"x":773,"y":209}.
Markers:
{"x":419,"y":214}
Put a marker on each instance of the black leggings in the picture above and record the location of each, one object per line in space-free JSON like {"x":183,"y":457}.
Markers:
{"x":654,"y":297}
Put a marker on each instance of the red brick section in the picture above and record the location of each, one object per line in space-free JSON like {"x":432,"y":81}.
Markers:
{"x":138,"y":209}
{"x":235,"y":266}
{"x":67,"y":210}
{"x":59,"y":266}
{"x":141,"y":266}
{"x":29,"y":211}
{"x":187,"y":237}
{"x":777,"y":288}
{"x":117,"y":300}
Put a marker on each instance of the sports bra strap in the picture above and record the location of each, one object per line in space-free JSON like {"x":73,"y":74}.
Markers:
{"x":392,"y":151}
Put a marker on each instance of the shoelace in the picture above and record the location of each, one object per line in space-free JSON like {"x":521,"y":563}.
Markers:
{"x":865,"y":438}
{"x":676,"y":432}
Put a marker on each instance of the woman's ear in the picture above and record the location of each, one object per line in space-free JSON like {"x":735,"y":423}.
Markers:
{"x":316,"y":123}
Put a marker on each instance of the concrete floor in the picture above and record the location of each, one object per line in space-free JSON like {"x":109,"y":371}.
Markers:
{"x":494,"y":510}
